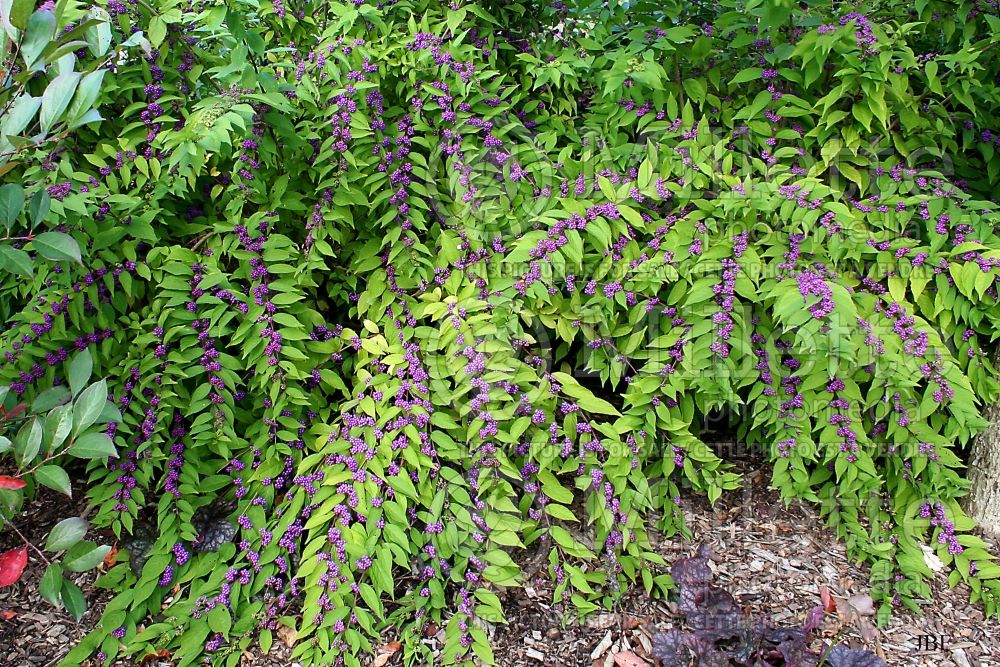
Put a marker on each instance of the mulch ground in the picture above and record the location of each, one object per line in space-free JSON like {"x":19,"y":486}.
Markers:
{"x":774,"y":560}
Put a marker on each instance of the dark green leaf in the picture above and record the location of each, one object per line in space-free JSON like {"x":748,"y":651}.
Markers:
{"x":84,"y":556}
{"x":50,"y":398}
{"x":39,"y":206}
{"x":15,"y":261}
{"x":41,"y":27}
{"x":93,"y":446}
{"x":66,"y":534}
{"x":51,"y":583}
{"x":57,"y":247}
{"x":55,"y":478}
{"x":11,"y":203}
{"x":80,"y":370}
{"x":20,"y":12}
{"x":57,"y":97}
{"x":73,"y":600}
{"x":89,"y":405}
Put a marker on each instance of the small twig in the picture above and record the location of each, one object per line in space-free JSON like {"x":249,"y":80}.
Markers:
{"x":28,"y":542}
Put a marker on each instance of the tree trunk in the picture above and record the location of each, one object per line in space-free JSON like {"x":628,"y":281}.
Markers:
{"x":983,"y":501}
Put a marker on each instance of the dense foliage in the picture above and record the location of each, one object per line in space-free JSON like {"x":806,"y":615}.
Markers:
{"x":386,"y":292}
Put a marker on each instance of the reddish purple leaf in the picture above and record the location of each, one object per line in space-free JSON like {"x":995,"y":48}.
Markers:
{"x":12,"y":564}
{"x":11,"y":483}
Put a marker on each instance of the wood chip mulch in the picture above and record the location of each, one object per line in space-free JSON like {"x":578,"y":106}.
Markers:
{"x":774,"y":560}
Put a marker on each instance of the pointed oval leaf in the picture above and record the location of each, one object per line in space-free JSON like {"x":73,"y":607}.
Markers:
{"x":51,"y":398}
{"x":58,"y":426}
{"x":86,"y":95}
{"x":29,"y":441}
{"x":84,"y":556}
{"x":39,"y":206}
{"x":89,"y":405}
{"x":38,"y":33}
{"x":20,"y":114}
{"x":93,"y":446}
{"x":11,"y":203}
{"x":57,"y":97}
{"x":80,"y":370}
{"x":67,"y":533}
{"x":57,"y":246}
{"x":99,"y":36}
{"x":56,"y":479}
{"x":73,"y":600}
{"x":16,"y":261}
{"x":51,"y":583}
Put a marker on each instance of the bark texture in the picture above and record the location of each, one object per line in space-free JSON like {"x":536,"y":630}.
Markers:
{"x":983,"y":501}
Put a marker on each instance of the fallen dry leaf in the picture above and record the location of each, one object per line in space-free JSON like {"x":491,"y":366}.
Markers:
{"x":602,"y":647}
{"x":931,"y":558}
{"x":862,"y":604}
{"x":109,"y":558}
{"x":829,"y":604}
{"x":287,"y":635}
{"x":629,"y":659}
{"x":7,"y":615}
{"x":385,"y":653}
{"x":162,"y":654}
{"x":868,"y":631}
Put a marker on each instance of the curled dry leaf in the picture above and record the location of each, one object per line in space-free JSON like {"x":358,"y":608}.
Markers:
{"x":862,"y":604}
{"x":629,"y":659}
{"x":287,"y":635}
{"x":385,"y":653}
{"x":829,"y":604}
{"x":931,"y":558}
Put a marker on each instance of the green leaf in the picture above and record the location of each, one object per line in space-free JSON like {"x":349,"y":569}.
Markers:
{"x":66,"y":534}
{"x":84,"y":556}
{"x":51,"y":583}
{"x":20,"y":114}
{"x":80,"y":370}
{"x":157,"y":31}
{"x":93,"y":446}
{"x":51,"y":398}
{"x":39,"y":206}
{"x":57,"y":97}
{"x":15,"y":261}
{"x":57,"y":247}
{"x":219,"y":619}
{"x":73,"y":600}
{"x":55,"y":478}
{"x":58,"y":426}
{"x":29,"y":441}
{"x":748,"y":74}
{"x":99,"y":36}
{"x":11,"y":203}
{"x":38,"y":33}
{"x":86,"y":95}
{"x":89,"y":405}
